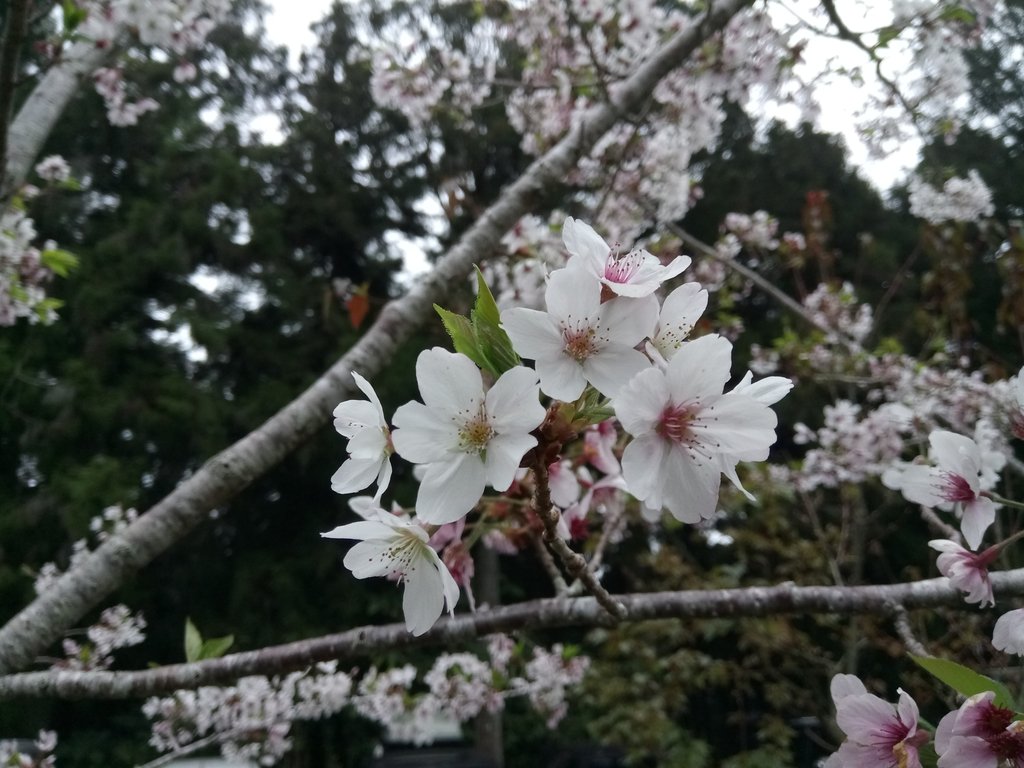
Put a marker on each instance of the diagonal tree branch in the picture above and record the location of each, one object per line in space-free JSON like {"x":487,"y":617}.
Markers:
{"x":537,"y":614}
{"x":15,"y":27}
{"x":44,"y":620}
{"x":43,"y":107}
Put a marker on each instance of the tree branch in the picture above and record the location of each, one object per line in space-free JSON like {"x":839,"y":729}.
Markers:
{"x":41,"y":110}
{"x":15,"y":27}
{"x":44,"y":620}
{"x":538,"y":614}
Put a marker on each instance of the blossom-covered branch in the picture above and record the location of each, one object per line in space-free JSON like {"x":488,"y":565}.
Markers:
{"x":43,"y":621}
{"x":537,"y":614}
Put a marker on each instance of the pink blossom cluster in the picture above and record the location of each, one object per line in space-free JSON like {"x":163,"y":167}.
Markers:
{"x":117,"y":627}
{"x":836,"y":308}
{"x":757,"y":230}
{"x":177,"y":26}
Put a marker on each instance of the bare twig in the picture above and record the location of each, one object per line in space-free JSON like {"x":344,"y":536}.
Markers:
{"x":549,"y":565}
{"x":940,"y":525}
{"x":573,"y":561}
{"x":901,"y":620}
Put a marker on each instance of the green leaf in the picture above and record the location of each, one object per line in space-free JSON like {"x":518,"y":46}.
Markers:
{"x":59,"y":261}
{"x":496,"y":346}
{"x":486,"y":308}
{"x":965,"y":681}
{"x":73,"y":15}
{"x":216,"y":647}
{"x":193,"y":642}
{"x":463,"y":335}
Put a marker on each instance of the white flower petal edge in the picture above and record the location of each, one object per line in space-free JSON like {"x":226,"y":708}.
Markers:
{"x":364,"y":425}
{"x":390,"y":547}
{"x":465,"y":437}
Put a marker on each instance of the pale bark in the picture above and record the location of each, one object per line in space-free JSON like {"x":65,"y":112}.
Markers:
{"x":44,"y":106}
{"x":888,"y":599}
{"x":43,"y":621}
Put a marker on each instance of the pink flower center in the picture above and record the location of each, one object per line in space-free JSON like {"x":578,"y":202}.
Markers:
{"x":674,"y":423}
{"x":579,"y":343}
{"x":622,"y":270}
{"x":956,"y":488}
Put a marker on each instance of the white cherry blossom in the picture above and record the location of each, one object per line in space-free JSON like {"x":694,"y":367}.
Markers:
{"x":954,"y":483}
{"x":580,"y":339}
{"x":1008,"y":633}
{"x":686,"y":430}
{"x":466,"y":437}
{"x":636,"y":274}
{"x":364,"y":425}
{"x":390,"y":547}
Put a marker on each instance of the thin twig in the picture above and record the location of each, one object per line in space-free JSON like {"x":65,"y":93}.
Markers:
{"x":936,"y":522}
{"x":188,"y":749}
{"x":573,"y":561}
{"x":548,"y":562}
{"x":901,"y":620}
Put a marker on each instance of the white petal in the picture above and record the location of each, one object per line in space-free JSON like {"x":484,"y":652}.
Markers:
{"x":921,"y":485}
{"x":640,"y":403}
{"x":383,"y":479}
{"x":573,"y":296}
{"x":768,"y":390}
{"x":978,"y":515}
{"x":354,"y":416}
{"x":423,"y":598}
{"x":363,"y":529}
{"x":504,"y":452}
{"x":642,"y":467}
{"x":955,"y":453}
{"x":562,"y":378}
{"x":371,"y":558}
{"x":846,"y":685}
{"x":354,"y":475}
{"x":449,"y":382}
{"x":533,"y":334}
{"x":422,"y":435}
{"x":612,"y":368}
{"x":370,"y":443}
{"x":700,"y":368}
{"x":367,"y":389}
{"x":450,"y":489}
{"x":583,"y":242}
{"x":513,"y":403}
{"x":629,"y":321}
{"x":737,"y":425}
{"x":691,"y":486}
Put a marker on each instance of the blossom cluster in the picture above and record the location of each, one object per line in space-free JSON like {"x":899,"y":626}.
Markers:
{"x":252,"y":719}
{"x":602,"y":337}
{"x":23,"y":274}
{"x":960,"y":199}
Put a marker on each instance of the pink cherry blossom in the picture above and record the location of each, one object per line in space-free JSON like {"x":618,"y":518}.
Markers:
{"x":966,"y":570}
{"x":878,"y":734}
{"x":636,"y":274}
{"x":980,"y":735}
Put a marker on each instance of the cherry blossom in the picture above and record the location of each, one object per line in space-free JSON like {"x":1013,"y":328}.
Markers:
{"x":878,"y":735}
{"x":980,"y":734}
{"x":966,"y":570}
{"x":580,"y":339}
{"x":636,"y":274}
{"x":686,"y":429}
{"x":467,"y":438}
{"x":387,"y":546}
{"x":959,"y":200}
{"x":1017,"y":409}
{"x":369,"y":449}
{"x":954,"y":482}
